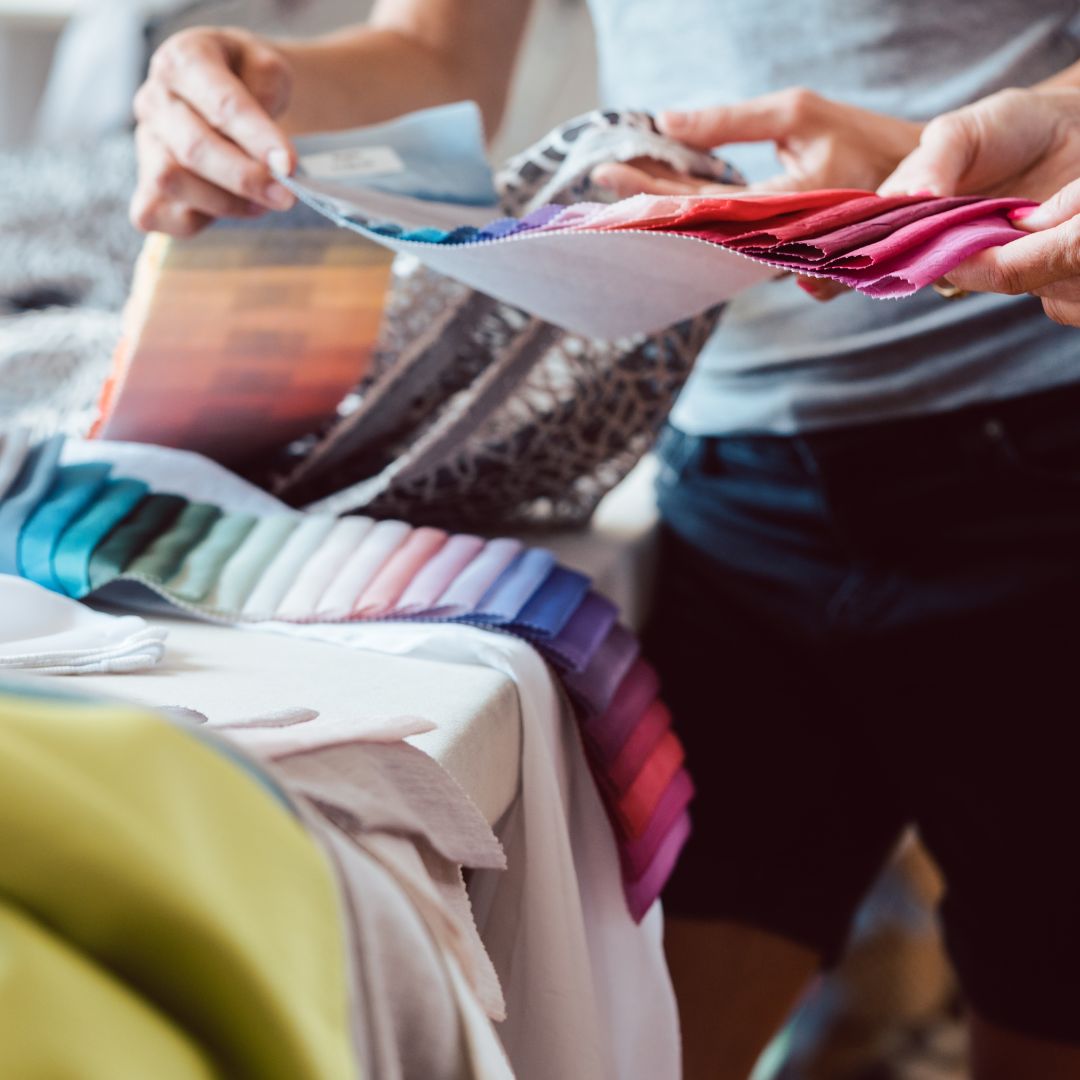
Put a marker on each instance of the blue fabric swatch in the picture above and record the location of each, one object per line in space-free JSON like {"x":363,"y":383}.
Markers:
{"x":551,"y":606}
{"x":514,"y":588}
{"x":34,"y":479}
{"x":71,"y":559}
{"x":73,"y":489}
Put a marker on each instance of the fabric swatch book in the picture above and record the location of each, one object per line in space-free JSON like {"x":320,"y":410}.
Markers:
{"x":245,"y":337}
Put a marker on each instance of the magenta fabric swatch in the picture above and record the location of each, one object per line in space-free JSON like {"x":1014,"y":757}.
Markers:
{"x":818,"y":248}
{"x":639,"y":854}
{"x":388,"y":585}
{"x":921,"y":266}
{"x":913,"y":235}
{"x":478,"y":577}
{"x":608,"y":731}
{"x":424,"y":592}
{"x":641,"y":894}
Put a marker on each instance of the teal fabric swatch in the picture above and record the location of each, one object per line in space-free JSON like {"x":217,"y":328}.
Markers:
{"x":150,"y":518}
{"x":241,"y":573}
{"x":163,"y":556}
{"x":34,"y":479}
{"x":200,"y":569}
{"x":71,"y":559}
{"x":73,"y":489}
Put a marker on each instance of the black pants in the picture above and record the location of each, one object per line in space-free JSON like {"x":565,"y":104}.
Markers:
{"x":872,"y":627}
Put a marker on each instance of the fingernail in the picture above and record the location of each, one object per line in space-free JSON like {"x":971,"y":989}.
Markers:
{"x":809,"y":286}
{"x":924,"y":193}
{"x":1022,"y":212}
{"x":672,"y":122}
{"x":279,"y":162}
{"x":278,"y":197}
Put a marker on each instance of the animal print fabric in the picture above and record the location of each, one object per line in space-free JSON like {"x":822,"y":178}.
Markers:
{"x":476,"y":415}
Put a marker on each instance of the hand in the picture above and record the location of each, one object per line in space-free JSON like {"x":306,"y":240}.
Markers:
{"x":206,"y":135}
{"x":1017,"y":142}
{"x":820,"y":144}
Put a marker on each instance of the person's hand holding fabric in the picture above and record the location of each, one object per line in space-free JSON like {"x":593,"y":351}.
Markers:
{"x":206,"y":136}
{"x":1017,"y":142}
{"x":820,"y":144}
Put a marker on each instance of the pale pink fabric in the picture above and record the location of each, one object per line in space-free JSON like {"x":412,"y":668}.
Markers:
{"x":441,"y":572}
{"x":323,"y":566}
{"x":363,"y":565}
{"x":387,"y":587}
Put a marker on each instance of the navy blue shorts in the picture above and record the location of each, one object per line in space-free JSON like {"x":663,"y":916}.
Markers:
{"x":868,"y":628}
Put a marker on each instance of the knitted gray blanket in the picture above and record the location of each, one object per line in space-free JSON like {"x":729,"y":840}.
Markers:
{"x":66,"y":257}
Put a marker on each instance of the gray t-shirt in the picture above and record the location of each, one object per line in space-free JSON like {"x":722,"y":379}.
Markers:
{"x":780,"y":361}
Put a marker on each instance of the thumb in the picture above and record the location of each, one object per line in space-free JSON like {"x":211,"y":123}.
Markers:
{"x":1058,"y":209}
{"x":937,"y":165}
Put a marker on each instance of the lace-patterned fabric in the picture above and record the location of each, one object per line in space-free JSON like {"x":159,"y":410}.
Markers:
{"x":478,"y":415}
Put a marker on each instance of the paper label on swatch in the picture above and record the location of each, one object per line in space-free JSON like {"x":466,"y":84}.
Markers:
{"x":351,"y":162}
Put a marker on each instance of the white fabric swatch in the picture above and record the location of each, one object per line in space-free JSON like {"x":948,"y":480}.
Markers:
{"x":51,"y":634}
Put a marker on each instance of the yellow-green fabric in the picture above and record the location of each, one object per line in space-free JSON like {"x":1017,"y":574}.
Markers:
{"x":178,"y":879}
{"x":62,"y":1016}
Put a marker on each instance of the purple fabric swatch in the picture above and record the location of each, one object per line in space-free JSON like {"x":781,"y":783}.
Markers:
{"x":515,"y":587}
{"x":498,"y":229}
{"x":537,"y":219}
{"x":641,"y":894}
{"x":595,"y":687}
{"x":551,"y":606}
{"x":573,"y":648}
{"x":608,"y":732}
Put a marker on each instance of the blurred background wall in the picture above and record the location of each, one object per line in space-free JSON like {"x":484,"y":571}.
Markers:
{"x":69,"y":67}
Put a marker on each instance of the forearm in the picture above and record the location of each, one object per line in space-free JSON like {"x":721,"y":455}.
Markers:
{"x":411,"y":55}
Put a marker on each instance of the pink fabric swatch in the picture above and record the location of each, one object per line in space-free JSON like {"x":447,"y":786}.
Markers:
{"x":639,"y":854}
{"x":912,"y":270}
{"x":638,"y":748}
{"x":688,"y":211}
{"x":608,"y":731}
{"x":916,"y":233}
{"x":388,"y":585}
{"x":640,"y":894}
{"x":366,"y":561}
